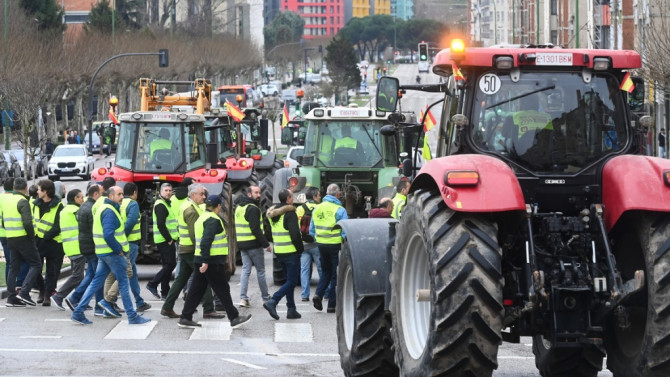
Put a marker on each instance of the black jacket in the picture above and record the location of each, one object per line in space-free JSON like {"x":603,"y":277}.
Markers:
{"x":180,"y":192}
{"x":85,"y":219}
{"x":211,"y":227}
{"x":46,"y":207}
{"x":252,"y":215}
{"x":290,"y":222}
{"x":161,"y":216}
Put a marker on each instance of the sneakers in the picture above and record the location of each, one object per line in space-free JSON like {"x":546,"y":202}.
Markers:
{"x":169,"y":313}
{"x":271,"y":306}
{"x":188,"y":324}
{"x":240,"y":320}
{"x":316,"y":300}
{"x":80,"y":319}
{"x":153,"y":290}
{"x":14,"y":302}
{"x":292,"y":313}
{"x":330,"y":310}
{"x":26,"y":300}
{"x":58,"y":302}
{"x":305,"y":298}
{"x":100,"y":312}
{"x":70,"y":304}
{"x":245,"y":304}
{"x":116,"y":307}
{"x":213,"y":315}
{"x":108,"y":308}
{"x":139,"y":320}
{"x":142,"y":308}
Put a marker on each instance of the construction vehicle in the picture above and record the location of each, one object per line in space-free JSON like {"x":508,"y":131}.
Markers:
{"x":535,"y":220}
{"x":143,"y":159}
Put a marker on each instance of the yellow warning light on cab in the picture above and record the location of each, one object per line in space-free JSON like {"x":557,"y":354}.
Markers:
{"x":457,"y":49}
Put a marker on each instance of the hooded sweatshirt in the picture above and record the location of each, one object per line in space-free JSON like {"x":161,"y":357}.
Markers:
{"x":252,"y":215}
{"x":290,"y":222}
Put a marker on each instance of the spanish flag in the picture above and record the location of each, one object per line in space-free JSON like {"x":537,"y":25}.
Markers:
{"x":429,"y":123}
{"x":234,"y":111}
{"x":627,"y":83}
{"x":112,"y":116}
{"x":425,"y":150}
{"x":458,"y":75}
{"x":284,"y":118}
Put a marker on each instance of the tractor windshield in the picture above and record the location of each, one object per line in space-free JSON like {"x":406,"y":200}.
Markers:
{"x":550,"y":123}
{"x":161,"y":147}
{"x":347,"y":143}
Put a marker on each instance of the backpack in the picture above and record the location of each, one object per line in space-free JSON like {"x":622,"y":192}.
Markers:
{"x":304,"y":224}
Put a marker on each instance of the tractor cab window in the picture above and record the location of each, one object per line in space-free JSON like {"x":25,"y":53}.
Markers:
{"x":125,"y":150}
{"x":160,"y":147}
{"x":230,"y":94}
{"x":195,"y":147}
{"x":345,"y":143}
{"x":549,"y":123}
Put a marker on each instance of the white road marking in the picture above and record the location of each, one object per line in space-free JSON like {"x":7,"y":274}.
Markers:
{"x":293,"y":333}
{"x":169,"y":352}
{"x":124,"y":330}
{"x":40,"y":337}
{"x":212,"y":330}
{"x":252,"y":366}
{"x":2,"y":319}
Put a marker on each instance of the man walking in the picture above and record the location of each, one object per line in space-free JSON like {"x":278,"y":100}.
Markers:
{"x":251,"y":241}
{"x":288,"y":247}
{"x":211,"y":255}
{"x":9,"y":191}
{"x":46,"y":214}
{"x":324,"y":218}
{"x":189,"y":213}
{"x":165,"y":236}
{"x":111,"y":245}
{"x":21,"y":242}
{"x":311,"y":253}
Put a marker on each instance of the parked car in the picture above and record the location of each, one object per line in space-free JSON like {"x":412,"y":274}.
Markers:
{"x":96,"y":144}
{"x":71,"y":160}
{"x":39,"y":166}
{"x":269,"y":90}
{"x":4,"y":167}
{"x":14,"y":169}
{"x":291,"y":160}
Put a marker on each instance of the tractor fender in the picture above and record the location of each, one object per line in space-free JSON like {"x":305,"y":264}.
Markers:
{"x":367,"y":240}
{"x":266,"y":162}
{"x":213,"y":188}
{"x":498,"y":188}
{"x":634,"y":182}
{"x":239,"y":175}
{"x":281,"y":177}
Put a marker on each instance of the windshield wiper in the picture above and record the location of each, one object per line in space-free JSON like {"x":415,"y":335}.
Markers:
{"x":520,"y":96}
{"x":371,"y":139}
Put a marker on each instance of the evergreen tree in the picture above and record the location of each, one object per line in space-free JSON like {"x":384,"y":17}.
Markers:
{"x":47,"y":13}
{"x":100,"y":19}
{"x":287,"y":27}
{"x":341,"y":60}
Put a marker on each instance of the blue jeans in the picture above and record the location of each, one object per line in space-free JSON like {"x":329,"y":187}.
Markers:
{"x":253,"y":257}
{"x":330,"y":257}
{"x":92,"y":262}
{"x":134,"y":280}
{"x":116,"y":264}
{"x":290,"y":263}
{"x":306,"y":259}
{"x":8,"y":260}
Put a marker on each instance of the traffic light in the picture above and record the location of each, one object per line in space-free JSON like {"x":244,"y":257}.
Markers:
{"x":163,"y":58}
{"x":423,"y":52}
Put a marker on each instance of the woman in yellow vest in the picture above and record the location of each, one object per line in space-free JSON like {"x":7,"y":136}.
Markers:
{"x":46,"y":216}
{"x":211,"y":257}
{"x":288,"y":247}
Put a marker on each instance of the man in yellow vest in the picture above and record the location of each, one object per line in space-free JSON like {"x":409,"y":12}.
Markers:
{"x":111,"y":246}
{"x":211,"y":257}
{"x":400,"y":198}
{"x":189,"y":213}
{"x":324,"y":218}
{"x":163,"y":142}
{"x":18,"y":224}
{"x":251,"y":241}
{"x":9,"y":191}
{"x":288,"y":247}
{"x":46,"y":216}
{"x":166,"y":233}
{"x":69,"y":231}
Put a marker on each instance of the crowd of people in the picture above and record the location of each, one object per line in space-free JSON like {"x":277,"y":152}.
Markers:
{"x":100,"y":233}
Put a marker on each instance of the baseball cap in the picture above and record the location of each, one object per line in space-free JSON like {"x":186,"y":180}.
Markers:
{"x":213,"y":200}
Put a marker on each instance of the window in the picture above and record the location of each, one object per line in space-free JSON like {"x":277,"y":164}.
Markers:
{"x":554,"y":7}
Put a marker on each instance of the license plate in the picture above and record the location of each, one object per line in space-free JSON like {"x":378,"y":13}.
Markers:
{"x":556,"y":58}
{"x":65,"y":170}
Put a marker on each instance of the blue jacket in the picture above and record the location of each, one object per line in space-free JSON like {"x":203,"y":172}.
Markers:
{"x":132,"y":216}
{"x":109,"y":224}
{"x":341,"y":214}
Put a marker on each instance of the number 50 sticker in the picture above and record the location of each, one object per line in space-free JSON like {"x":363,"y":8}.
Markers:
{"x":489,"y":83}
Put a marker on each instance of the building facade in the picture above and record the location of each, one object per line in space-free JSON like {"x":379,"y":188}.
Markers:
{"x":323,"y":18}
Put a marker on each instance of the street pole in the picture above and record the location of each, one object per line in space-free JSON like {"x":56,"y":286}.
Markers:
{"x":5,"y":113}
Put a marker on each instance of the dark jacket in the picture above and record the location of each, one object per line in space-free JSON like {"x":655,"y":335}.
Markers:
{"x":211,"y":228}
{"x":180,"y":192}
{"x":85,"y":219}
{"x":252,"y":215}
{"x":110,"y":222}
{"x":379,"y":213}
{"x":26,"y":216}
{"x":161,"y":216}
{"x":290,"y":222}
{"x":46,"y":207}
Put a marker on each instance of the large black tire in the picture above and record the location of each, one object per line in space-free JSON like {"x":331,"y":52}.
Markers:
{"x":363,"y":328}
{"x":456,"y":258}
{"x":267,"y":188}
{"x":278,"y":164}
{"x":643,"y":349}
{"x":566,"y":362}
{"x":229,"y":224}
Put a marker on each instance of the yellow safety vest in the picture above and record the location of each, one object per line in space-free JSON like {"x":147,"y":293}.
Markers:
{"x":184,"y":239}
{"x":175,"y":204}
{"x":46,"y":222}
{"x":170,"y":223}
{"x":300,"y":211}
{"x":220,"y":243}
{"x":12,"y":217}
{"x":399,"y":201}
{"x":2,"y":227}
{"x":346,"y":142}
{"x":136,"y":232}
{"x":98,"y":202}
{"x":159,"y":144}
{"x":69,"y":230}
{"x":529,"y":120}
{"x":242,"y":227}
{"x":281,"y":237}
{"x":101,"y":246}
{"x":324,"y":221}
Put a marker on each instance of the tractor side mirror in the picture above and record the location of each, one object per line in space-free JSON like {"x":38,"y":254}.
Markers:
{"x":387,"y":130}
{"x":387,"y":93}
{"x":287,"y":136}
{"x":407,"y":167}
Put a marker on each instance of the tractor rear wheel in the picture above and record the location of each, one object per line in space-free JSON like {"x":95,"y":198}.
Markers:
{"x":278,"y":164}
{"x":363,"y":329}
{"x":446,"y":284}
{"x":643,"y":347}
{"x":566,"y":362}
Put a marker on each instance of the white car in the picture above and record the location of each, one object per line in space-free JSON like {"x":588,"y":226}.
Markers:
{"x":291,"y":160}
{"x":269,"y":90}
{"x":71,"y":160}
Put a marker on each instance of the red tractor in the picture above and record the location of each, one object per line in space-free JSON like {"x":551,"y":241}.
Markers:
{"x":535,"y":220}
